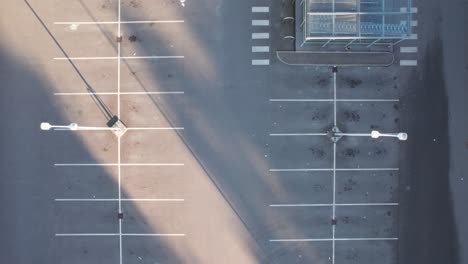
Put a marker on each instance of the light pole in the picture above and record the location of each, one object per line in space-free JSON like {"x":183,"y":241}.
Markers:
{"x":74,"y":126}
{"x":375,"y":134}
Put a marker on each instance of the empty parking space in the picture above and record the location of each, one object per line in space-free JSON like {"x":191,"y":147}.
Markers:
{"x":359,"y":117}
{"x":301,"y":152}
{"x":363,"y":83}
{"x":367,"y":187}
{"x":364,"y":152}
{"x":84,"y":10}
{"x":355,"y":252}
{"x":85,"y":217}
{"x":301,"y":117}
{"x":154,"y":217}
{"x":92,"y":250}
{"x":148,"y":10}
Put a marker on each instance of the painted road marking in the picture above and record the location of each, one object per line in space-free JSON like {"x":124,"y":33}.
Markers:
{"x":260,"y":49}
{"x":115,"y":164}
{"x":260,"y":22}
{"x":260,"y":62}
{"x":117,"y":22}
{"x":122,"y":199}
{"x":260,"y":9}
{"x":336,"y":204}
{"x":332,"y":100}
{"x":260,"y":35}
{"x":414,"y":23}
{"x":116,"y":58}
{"x":336,"y":239}
{"x":121,"y":93}
{"x":408,"y":62}
{"x":408,"y":49}
{"x":413,"y":36}
{"x":117,"y":234}
{"x":338,"y":169}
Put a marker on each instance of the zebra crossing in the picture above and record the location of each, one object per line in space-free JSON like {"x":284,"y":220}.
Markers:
{"x":408,"y":54}
{"x":260,"y":36}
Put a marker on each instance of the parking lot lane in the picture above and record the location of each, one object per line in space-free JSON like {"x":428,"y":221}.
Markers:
{"x":366,"y":252}
{"x":86,"y":217}
{"x":301,"y":117}
{"x":301,"y":152}
{"x":366,"y":222}
{"x":363,"y":117}
{"x":365,"y":152}
{"x":90,"y":250}
{"x":367,"y":186}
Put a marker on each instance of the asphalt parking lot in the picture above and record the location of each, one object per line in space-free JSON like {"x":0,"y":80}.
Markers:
{"x":223,"y":161}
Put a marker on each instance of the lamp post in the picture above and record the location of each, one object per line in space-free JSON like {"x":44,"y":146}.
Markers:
{"x":73,"y":127}
{"x":375,"y":134}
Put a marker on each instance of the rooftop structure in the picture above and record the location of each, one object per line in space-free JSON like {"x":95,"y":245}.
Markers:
{"x":353,"y":22}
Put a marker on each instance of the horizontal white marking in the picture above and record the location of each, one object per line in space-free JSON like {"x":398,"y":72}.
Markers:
{"x":297,"y":134}
{"x":262,"y":22}
{"x":413,"y":36}
{"x":117,"y":22}
{"x":414,"y":23}
{"x":263,"y":35}
{"x":336,"y":239}
{"x":121,"y":93}
{"x":260,"y":49}
{"x":155,"y":128}
{"x":260,"y":62}
{"x":260,"y":9}
{"x":412,"y":10}
{"x":408,"y":49}
{"x":338,"y":204}
{"x":123,"y":200}
{"x":116,"y":164}
{"x":331,"y":100}
{"x":340,"y":169}
{"x":116,"y":234}
{"x":408,"y":63}
{"x":115,"y":58}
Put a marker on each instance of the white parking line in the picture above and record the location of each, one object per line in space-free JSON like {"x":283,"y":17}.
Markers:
{"x":117,"y":234}
{"x":117,"y":22}
{"x":121,"y":93}
{"x":261,"y":22}
{"x":155,"y":128}
{"x":260,"y":49}
{"x":414,"y":23}
{"x":413,"y":36}
{"x":338,"y":169}
{"x":408,"y":49}
{"x":336,"y":204}
{"x":123,"y":199}
{"x":262,"y":35}
{"x":260,"y":62}
{"x":297,"y":134}
{"x":115,"y":164}
{"x":116,"y":58}
{"x":331,"y":100}
{"x":408,"y":63}
{"x":336,"y":239}
{"x":260,"y":9}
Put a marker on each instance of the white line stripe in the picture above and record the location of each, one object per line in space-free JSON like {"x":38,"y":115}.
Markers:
{"x":336,"y":239}
{"x":260,"y":62}
{"x":115,"y":58}
{"x":413,"y":36}
{"x":155,"y":128}
{"x":260,"y":9}
{"x":117,"y":234}
{"x":331,"y":100}
{"x":408,"y":63}
{"x":337,"y":204}
{"x":260,"y":49}
{"x":408,"y":49}
{"x":414,"y":23}
{"x":124,"y":199}
{"x":339,"y":169}
{"x":115,"y":164}
{"x":262,"y":35}
{"x":121,"y":93}
{"x":298,"y":134}
{"x":117,"y":22}
{"x":262,"y":22}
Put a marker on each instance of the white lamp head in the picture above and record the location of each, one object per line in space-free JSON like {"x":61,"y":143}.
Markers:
{"x":73,"y":126}
{"x":402,"y":136}
{"x":45,"y":126}
{"x":375,"y":134}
